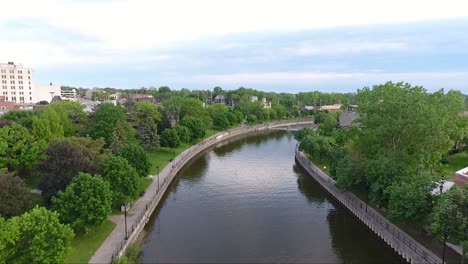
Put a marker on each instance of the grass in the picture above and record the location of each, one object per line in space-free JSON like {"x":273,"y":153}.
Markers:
{"x":321,"y":163}
{"x":162,"y":156}
{"x":455,"y":162}
{"x":33,"y":181}
{"x":85,"y":245}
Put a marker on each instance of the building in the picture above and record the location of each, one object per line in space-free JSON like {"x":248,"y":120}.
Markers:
{"x":265,"y":103}
{"x":219,"y":99}
{"x":253,"y":99}
{"x":69,"y":95}
{"x":16,"y":83}
{"x":461,"y":177}
{"x":140,"y":98}
{"x":7,"y":105}
{"x":46,"y":92}
{"x":331,"y":108}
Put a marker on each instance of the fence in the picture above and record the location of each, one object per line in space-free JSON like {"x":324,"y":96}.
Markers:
{"x":152,"y":198}
{"x":411,"y":250}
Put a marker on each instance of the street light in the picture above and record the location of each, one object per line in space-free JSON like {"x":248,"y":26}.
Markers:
{"x":445,"y":243}
{"x":157,"y":168}
{"x":125,"y":208}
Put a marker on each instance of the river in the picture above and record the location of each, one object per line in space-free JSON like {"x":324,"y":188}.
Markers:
{"x":246,"y":201}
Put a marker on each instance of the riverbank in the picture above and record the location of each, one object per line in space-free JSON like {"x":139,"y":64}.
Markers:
{"x":402,"y":243}
{"x":116,"y":244}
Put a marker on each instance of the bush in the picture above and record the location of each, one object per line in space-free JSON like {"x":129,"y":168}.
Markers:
{"x":137,"y":158}
{"x":184,"y":133}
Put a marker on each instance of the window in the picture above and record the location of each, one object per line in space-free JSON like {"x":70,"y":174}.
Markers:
{"x":13,"y":87}
{"x":4,"y":81}
{"x":20,"y":82}
{"x":30,"y":98}
{"x":3,"y":71}
{"x":12,"y":76}
{"x":20,"y":72}
{"x":6,"y":99}
{"x":13,"y":98}
{"x":21,"y":87}
{"x":29,"y":87}
{"x":12,"y":71}
{"x":12,"y":82}
{"x":13,"y":93}
{"x":4,"y":76}
{"x":29,"y":77}
{"x":29,"y":72}
{"x":20,"y":77}
{"x":29,"y":82}
{"x":30,"y":94}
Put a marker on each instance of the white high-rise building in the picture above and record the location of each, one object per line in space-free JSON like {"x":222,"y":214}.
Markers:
{"x":16,"y":83}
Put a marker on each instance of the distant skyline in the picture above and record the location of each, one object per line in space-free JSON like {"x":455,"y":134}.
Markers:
{"x":294,"y":46}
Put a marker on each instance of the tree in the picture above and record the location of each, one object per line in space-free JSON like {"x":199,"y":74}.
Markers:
{"x":451,"y":213}
{"x":105,"y":120}
{"x":251,"y":119}
{"x":303,"y":132}
{"x":137,"y":158}
{"x":122,"y":177}
{"x":196,"y":126}
{"x":18,"y":148}
{"x":170,"y":138}
{"x":119,"y":138}
{"x":221,"y":120}
{"x":410,"y":199}
{"x":15,"y":196}
{"x":183,"y":133}
{"x":85,"y":203}
{"x":74,"y":154}
{"x":148,"y":135}
{"x":36,"y":236}
{"x":47,"y":125}
{"x":72,"y":116}
{"x":21,"y":117}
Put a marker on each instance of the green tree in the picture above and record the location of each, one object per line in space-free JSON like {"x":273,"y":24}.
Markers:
{"x":85,"y":203}
{"x":221,"y":121}
{"x":196,"y":126}
{"x":18,"y":148}
{"x":251,"y":119}
{"x":183,"y":133}
{"x":123,"y":178}
{"x":170,"y":138}
{"x":36,"y":236}
{"x":72,"y":116}
{"x":47,"y":125}
{"x":21,"y":117}
{"x":451,"y":213}
{"x":137,"y":158}
{"x":119,"y":138}
{"x":410,"y":199}
{"x":15,"y":196}
{"x":74,"y":154}
{"x":148,"y":135}
{"x":105,"y":120}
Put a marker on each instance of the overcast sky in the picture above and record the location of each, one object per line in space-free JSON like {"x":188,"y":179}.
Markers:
{"x":268,"y":45}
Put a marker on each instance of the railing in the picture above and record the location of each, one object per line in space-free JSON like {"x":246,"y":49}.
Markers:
{"x":177,"y":164}
{"x":401,"y":242}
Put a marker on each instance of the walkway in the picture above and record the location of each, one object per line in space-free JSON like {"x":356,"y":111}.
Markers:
{"x":140,"y":212}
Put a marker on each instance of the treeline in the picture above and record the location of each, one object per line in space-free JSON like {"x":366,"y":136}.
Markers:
{"x":393,"y":155}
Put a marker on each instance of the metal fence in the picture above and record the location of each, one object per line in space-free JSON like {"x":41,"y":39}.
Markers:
{"x":178,"y":163}
{"x":403,"y":243}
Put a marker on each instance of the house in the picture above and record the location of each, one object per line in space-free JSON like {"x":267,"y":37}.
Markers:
{"x":8,"y":105}
{"x":309,"y":107}
{"x":331,"y":108}
{"x":461,"y":176}
{"x":265,"y":103}
{"x":253,"y":99}
{"x":140,"y":98}
{"x":219,"y":99}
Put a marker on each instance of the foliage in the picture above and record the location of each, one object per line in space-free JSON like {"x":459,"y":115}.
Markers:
{"x":72,"y":116}
{"x":137,"y":158}
{"x":196,"y":126}
{"x":148,"y":134}
{"x":21,"y":117}
{"x":221,"y":121}
{"x":451,"y":212}
{"x":119,"y":138}
{"x":35,"y":237}
{"x":122,"y":177}
{"x":105,"y":120}
{"x":47,"y":125}
{"x":85,"y":203}
{"x":303,"y":132}
{"x":18,"y":148}
{"x":15,"y":196}
{"x":410,"y":199}
{"x":170,"y":138}
{"x":184,"y":133}
{"x":74,"y":154}
{"x":251,"y":119}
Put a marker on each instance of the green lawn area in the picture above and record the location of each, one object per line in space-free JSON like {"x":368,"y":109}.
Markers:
{"x":33,"y":181}
{"x":84,"y":246}
{"x":162,"y":156}
{"x":455,"y":162}
{"x":323,"y":162}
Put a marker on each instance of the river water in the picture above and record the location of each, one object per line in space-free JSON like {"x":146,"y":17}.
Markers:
{"x":246,"y":201}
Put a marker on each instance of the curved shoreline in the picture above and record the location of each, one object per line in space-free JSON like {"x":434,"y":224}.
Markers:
{"x":115,"y":244}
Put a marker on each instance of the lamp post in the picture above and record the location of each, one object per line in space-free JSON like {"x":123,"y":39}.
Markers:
{"x":441,"y":186}
{"x":125,"y":207}
{"x":445,"y":243}
{"x":157,"y":168}
{"x":173,"y":153}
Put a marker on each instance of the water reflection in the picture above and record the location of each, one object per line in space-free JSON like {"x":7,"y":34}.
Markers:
{"x":247,"y":202}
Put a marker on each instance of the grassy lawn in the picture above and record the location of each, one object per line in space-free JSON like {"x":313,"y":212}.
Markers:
{"x":162,"y":156}
{"x":84,"y":246}
{"x":455,"y":162}
{"x":321,"y":163}
{"x":33,"y":182}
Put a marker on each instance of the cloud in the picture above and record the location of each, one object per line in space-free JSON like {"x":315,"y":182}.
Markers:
{"x":346,"y":47}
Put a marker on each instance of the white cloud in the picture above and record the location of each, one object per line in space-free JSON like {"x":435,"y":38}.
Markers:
{"x":346,"y":47}
{"x":140,"y":24}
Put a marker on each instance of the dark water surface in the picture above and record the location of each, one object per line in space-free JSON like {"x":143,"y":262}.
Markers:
{"x":247,"y":201}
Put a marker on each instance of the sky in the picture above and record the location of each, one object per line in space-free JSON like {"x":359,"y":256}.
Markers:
{"x":282,"y":46}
